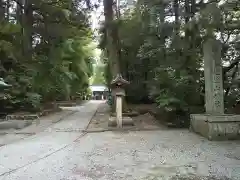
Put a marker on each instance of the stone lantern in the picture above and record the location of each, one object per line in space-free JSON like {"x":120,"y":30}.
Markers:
{"x":118,"y":92}
{"x":118,"y":84}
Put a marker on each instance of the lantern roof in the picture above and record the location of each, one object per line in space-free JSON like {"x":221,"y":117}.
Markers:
{"x":119,"y":81}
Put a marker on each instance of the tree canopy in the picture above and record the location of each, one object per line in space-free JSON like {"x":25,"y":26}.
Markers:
{"x":160,"y":50}
{"x":45,"y":51}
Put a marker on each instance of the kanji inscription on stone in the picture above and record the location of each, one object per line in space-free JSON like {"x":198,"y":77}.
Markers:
{"x":213,"y":77}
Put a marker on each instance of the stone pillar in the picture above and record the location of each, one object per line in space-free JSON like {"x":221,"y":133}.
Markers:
{"x":214,"y":124}
{"x":119,"y":111}
{"x":214,"y":102}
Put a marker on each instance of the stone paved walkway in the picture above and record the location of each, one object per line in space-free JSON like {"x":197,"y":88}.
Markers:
{"x":39,"y":125}
{"x":63,"y":152}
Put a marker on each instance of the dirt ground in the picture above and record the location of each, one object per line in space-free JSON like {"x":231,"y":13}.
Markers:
{"x":143,"y":121}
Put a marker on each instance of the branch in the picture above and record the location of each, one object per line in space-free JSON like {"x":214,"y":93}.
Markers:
{"x":19,"y":4}
{"x":229,"y":33}
{"x":234,"y":63}
{"x":232,"y":77}
{"x":88,"y":3}
{"x":201,"y":4}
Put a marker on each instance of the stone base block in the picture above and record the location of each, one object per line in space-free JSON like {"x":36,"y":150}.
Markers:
{"x":216,"y":127}
{"x":127,"y":114}
{"x":127,"y":121}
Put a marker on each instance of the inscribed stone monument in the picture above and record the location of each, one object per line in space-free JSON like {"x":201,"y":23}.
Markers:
{"x":214,"y":124}
{"x":214,"y":102}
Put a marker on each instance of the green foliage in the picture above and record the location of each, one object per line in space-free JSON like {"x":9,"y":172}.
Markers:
{"x":98,"y":76}
{"x":33,"y":99}
{"x":161,"y":51}
{"x":45,"y":52}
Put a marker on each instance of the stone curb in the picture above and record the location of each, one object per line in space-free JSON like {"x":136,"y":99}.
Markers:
{"x":123,"y":129}
{"x":33,"y":133}
{"x":64,"y":116}
{"x":94,"y":114}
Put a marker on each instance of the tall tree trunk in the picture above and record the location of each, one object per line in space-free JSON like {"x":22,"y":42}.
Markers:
{"x":193,"y":7}
{"x":176,"y":14}
{"x":8,"y":10}
{"x":187,"y":11}
{"x":187,"y":34}
{"x":2,"y":10}
{"x":162,"y":20}
{"x":19,"y":19}
{"x":113,"y":43}
{"x":162,"y":39}
{"x":110,"y":31}
{"x":19,"y":11}
{"x":177,"y":31}
{"x":188,"y":44}
{"x":27,"y":25}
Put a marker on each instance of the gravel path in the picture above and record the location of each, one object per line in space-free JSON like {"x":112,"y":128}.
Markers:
{"x":142,"y":155}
